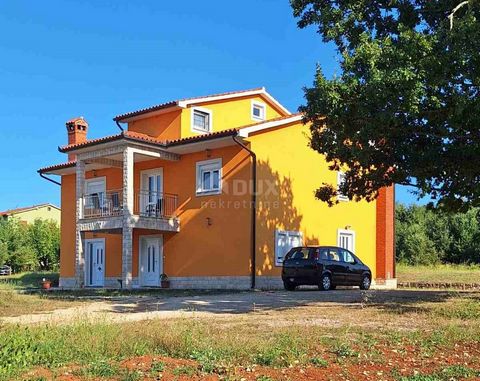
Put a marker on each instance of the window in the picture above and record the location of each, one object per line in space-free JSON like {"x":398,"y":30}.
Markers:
{"x":333,"y":255}
{"x":258,"y":111}
{"x":209,"y":177}
{"x":284,"y":242}
{"x":340,"y":181}
{"x":346,"y":239}
{"x":298,"y":254}
{"x":201,"y":120}
{"x":345,"y":256}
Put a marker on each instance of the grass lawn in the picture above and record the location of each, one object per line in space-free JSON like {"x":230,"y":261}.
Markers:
{"x":439,"y":273}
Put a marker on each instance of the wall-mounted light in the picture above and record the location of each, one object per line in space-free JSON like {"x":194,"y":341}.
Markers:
{"x":348,"y":227}
{"x":209,"y":221}
{"x":94,"y":173}
{"x":208,"y":152}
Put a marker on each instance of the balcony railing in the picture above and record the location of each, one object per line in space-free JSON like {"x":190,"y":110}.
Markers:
{"x":103,"y":204}
{"x":155,"y":204}
{"x":146,"y":204}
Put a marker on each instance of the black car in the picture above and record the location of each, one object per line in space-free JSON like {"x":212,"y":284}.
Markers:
{"x":325,"y":267}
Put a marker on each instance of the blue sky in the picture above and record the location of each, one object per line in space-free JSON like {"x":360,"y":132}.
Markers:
{"x":98,"y":59}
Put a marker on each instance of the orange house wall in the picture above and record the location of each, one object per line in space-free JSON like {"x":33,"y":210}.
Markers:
{"x":223,"y":248}
{"x":164,"y":126}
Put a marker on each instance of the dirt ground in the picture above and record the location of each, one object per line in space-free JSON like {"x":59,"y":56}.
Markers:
{"x":306,"y":307}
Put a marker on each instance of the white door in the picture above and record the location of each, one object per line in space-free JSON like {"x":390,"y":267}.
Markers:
{"x":346,"y":239}
{"x":95,"y":263}
{"x":151,"y":261}
{"x":152,"y":192}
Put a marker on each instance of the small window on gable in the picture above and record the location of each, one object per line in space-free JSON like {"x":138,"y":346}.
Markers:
{"x":258,"y":111}
{"x":201,"y":120}
{"x":209,"y":177}
{"x":340,"y":181}
{"x":284,"y":242}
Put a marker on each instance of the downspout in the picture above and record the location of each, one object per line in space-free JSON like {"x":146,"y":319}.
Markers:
{"x":118,"y":124}
{"x":49,"y":179}
{"x":254,"y":207}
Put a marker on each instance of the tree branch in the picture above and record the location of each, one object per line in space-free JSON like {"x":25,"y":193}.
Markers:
{"x":450,"y":16}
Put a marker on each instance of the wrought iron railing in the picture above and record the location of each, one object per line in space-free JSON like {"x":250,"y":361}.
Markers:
{"x":155,"y":204}
{"x":146,"y":204}
{"x":103,"y":204}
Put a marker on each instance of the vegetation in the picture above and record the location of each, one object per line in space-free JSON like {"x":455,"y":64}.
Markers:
{"x":404,"y":107}
{"x":29,"y":247}
{"x":101,"y":349}
{"x":425,"y":236}
{"x":438,"y":273}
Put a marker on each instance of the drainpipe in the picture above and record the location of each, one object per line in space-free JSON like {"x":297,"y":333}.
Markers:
{"x":254,"y":207}
{"x":49,"y":179}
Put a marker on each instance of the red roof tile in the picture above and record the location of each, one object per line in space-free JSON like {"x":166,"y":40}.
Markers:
{"x":175,"y":103}
{"x":24,"y":209}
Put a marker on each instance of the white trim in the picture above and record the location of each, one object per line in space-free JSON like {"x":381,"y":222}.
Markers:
{"x":161,"y":262}
{"x":210,"y":120}
{"x":96,"y":179}
{"x":86,"y":242}
{"x":347,"y":232}
{"x":244,"y":132}
{"x":262,"y":106}
{"x":261,"y":91}
{"x":287,"y":233}
{"x":340,"y":196}
{"x":198,"y":182}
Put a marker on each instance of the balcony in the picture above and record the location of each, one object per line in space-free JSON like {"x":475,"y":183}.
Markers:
{"x":151,"y":210}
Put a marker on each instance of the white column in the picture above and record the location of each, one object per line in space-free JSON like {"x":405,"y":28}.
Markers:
{"x":127,"y":226}
{"x":79,"y":255}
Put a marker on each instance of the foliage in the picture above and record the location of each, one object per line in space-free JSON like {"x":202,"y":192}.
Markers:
{"x":405,"y":107}
{"x":425,"y":236}
{"x":29,"y":247}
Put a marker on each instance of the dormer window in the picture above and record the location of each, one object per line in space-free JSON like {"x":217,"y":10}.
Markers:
{"x":258,"y":110}
{"x":201,"y":120}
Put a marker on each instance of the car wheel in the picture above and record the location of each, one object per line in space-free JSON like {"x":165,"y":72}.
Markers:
{"x":289,"y":286}
{"x":325,"y":283}
{"x":366,"y":282}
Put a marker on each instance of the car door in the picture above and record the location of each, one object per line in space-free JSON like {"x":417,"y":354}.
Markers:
{"x":352,"y":275}
{"x":335,"y":266}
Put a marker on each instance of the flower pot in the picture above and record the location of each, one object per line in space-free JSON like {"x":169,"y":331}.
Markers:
{"x":165,"y":283}
{"x":46,"y":284}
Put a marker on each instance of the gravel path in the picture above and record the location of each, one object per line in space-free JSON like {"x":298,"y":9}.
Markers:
{"x":134,"y":308}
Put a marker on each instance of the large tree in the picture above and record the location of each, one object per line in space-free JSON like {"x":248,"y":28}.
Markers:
{"x":405,"y":107}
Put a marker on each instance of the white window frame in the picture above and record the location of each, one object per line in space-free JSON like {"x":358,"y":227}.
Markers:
{"x":215,"y":164}
{"x":102,"y":179}
{"x":210,"y":120}
{"x":278,"y":261}
{"x":261,"y":105}
{"x":346,"y":232}
{"x":340,"y":177}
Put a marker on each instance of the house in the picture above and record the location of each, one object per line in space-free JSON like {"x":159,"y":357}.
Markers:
{"x":212,"y":191}
{"x":30,"y":213}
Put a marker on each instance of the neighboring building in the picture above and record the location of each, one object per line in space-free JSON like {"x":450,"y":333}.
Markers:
{"x":31,"y":213}
{"x":171,"y":194}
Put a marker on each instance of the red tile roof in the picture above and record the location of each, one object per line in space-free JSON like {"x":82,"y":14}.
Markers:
{"x":9,"y":212}
{"x":176,"y":102}
{"x":57,"y":166}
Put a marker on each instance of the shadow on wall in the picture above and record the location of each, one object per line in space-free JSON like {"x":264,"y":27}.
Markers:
{"x":275,"y":210}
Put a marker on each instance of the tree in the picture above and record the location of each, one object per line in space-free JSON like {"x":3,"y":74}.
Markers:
{"x":405,"y":107}
{"x":44,"y":238}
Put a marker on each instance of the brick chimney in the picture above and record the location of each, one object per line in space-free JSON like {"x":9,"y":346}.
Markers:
{"x":77,"y":133}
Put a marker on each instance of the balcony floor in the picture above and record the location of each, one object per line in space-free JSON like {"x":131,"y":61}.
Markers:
{"x":111,"y":223}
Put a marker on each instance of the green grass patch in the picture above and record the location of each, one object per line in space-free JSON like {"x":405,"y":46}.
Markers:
{"x":29,"y":280}
{"x":439,"y":273}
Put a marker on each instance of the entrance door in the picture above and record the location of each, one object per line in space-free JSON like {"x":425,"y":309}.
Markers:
{"x":95,"y":263}
{"x":152,"y":193}
{"x":151,"y":261}
{"x":346,"y":240}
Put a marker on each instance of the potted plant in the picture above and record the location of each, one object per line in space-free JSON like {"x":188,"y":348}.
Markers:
{"x":164,"y":281}
{"x":46,"y":283}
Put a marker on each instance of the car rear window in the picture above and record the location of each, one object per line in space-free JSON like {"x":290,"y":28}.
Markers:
{"x":298,"y":253}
